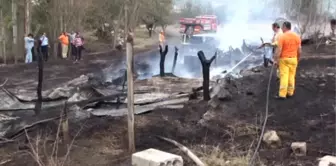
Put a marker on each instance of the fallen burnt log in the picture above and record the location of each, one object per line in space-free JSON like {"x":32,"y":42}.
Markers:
{"x":59,"y":93}
{"x":140,"y":109}
{"x":206,"y":73}
{"x":163,"y":54}
{"x":70,"y":103}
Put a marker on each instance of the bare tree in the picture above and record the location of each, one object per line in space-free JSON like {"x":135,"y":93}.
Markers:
{"x":14,"y":25}
{"x":27,"y":16}
{"x":2,"y":36}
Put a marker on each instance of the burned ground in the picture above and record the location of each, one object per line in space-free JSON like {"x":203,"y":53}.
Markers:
{"x":223,"y":133}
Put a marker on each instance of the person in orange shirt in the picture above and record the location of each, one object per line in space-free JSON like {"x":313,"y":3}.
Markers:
{"x":64,"y":39}
{"x":162,"y":38}
{"x":287,"y":57}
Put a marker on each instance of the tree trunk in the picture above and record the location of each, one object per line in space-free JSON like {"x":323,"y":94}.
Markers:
{"x":54,"y":28}
{"x":27,"y":17}
{"x":126,"y":21}
{"x":162,"y":60}
{"x":206,"y":73}
{"x":3,"y":38}
{"x":14,"y":26}
{"x":116,"y":29}
{"x":20,"y":30}
{"x":134,"y":16}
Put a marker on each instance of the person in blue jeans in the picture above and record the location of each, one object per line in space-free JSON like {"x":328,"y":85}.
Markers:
{"x":29,"y":44}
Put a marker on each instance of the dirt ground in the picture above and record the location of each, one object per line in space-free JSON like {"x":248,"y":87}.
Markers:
{"x":222,"y":135}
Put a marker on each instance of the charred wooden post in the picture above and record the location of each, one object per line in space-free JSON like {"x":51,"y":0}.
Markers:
{"x":65,"y":124}
{"x":333,"y":27}
{"x":175,"y":59}
{"x":130,"y":94}
{"x":163,"y":54}
{"x":206,"y":73}
{"x":38,"y":104}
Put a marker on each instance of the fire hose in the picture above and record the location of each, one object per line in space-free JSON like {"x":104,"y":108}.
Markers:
{"x":252,"y":159}
{"x":241,"y":61}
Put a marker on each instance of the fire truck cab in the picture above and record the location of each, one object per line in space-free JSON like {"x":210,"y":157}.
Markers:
{"x":199,"y":24}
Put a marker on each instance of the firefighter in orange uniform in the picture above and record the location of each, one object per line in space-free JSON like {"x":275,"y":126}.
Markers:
{"x":287,"y":57}
{"x":162,"y":39}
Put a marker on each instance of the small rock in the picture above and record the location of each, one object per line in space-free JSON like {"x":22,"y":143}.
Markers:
{"x":330,"y":74}
{"x":299,"y":148}
{"x":272,"y":139}
{"x":256,"y":70}
{"x":327,"y":160}
{"x":322,"y":84}
{"x":313,"y":123}
{"x":224,"y":95}
{"x":249,"y":93}
{"x":331,"y":127}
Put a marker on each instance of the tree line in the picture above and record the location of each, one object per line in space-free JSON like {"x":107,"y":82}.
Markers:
{"x":21,"y":17}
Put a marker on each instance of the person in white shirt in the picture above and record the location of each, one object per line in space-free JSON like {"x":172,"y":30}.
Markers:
{"x":29,"y":44}
{"x":277,"y":33}
{"x":44,"y":46}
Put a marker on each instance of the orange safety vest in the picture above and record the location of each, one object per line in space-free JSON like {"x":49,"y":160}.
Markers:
{"x":161,"y":38}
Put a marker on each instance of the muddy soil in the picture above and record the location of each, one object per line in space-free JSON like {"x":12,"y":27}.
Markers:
{"x":233,"y":126}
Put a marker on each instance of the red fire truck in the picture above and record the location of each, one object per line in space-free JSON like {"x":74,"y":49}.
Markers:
{"x":199,"y":24}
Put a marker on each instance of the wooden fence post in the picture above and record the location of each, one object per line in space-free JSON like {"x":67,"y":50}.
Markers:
{"x":38,"y":104}
{"x":163,"y":54}
{"x":130,"y":93}
{"x":65,"y":124}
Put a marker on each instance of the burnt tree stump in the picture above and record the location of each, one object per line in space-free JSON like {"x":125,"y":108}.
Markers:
{"x":38,"y":104}
{"x":333,"y":26}
{"x":175,"y":59}
{"x":163,"y":54}
{"x":206,"y":73}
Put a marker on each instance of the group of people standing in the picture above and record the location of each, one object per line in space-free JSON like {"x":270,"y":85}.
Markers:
{"x":76,"y":45}
{"x":67,"y":40}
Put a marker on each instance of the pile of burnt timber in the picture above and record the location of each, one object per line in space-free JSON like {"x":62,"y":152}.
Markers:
{"x":83,"y":98}
{"x":156,"y":91}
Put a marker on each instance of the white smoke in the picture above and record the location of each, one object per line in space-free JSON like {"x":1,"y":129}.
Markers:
{"x":249,"y":20}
